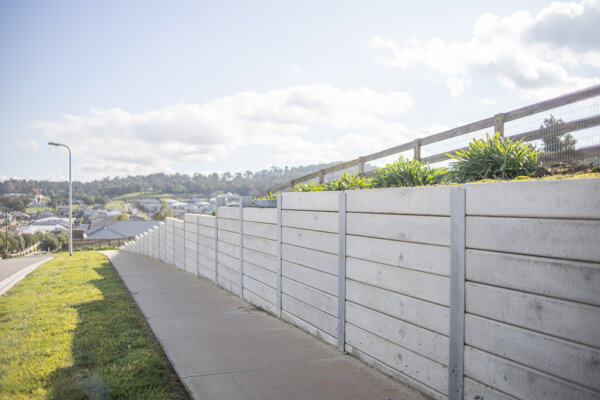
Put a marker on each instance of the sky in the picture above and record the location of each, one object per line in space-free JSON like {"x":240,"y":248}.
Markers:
{"x":138,"y":87}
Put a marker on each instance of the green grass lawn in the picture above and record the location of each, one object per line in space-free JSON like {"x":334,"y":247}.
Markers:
{"x":70,"y":330}
{"x":115,"y":203}
{"x":163,"y":196}
{"x":37,"y":209}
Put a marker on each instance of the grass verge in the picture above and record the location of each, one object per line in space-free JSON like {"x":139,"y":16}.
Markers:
{"x":70,"y":330}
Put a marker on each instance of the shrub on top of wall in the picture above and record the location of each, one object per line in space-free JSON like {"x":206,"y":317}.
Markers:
{"x":408,"y":173}
{"x":493,"y":158}
{"x":308,"y":187}
{"x":349,"y":182}
{"x":345,"y":182}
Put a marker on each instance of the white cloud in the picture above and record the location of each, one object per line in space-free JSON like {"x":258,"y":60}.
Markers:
{"x":295,"y":125}
{"x":488,"y":102}
{"x":435,"y":128}
{"x":29,"y":144}
{"x":532,"y":54}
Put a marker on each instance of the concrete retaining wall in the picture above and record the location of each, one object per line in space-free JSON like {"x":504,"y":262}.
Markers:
{"x":259,"y":257}
{"x":397,"y":287}
{"x":309,"y":262}
{"x":376,"y":280}
{"x":532,"y":326}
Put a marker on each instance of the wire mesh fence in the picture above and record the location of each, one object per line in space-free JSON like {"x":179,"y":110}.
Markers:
{"x":565,"y":129}
{"x":580,"y":145}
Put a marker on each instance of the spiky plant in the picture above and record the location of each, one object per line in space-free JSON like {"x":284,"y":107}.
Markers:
{"x":407,"y":173}
{"x":308,"y":187}
{"x":349,"y":182}
{"x":494,"y":157}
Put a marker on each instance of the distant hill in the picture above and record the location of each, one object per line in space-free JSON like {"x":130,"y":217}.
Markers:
{"x":246,"y":183}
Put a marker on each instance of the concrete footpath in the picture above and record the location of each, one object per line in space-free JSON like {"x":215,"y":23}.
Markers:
{"x":223,"y":348}
{"x":13,"y":270}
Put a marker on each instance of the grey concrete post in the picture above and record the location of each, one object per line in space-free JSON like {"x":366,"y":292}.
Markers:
{"x":220,"y":202}
{"x":173,"y":244}
{"x":164,"y":243}
{"x":457,"y":294}
{"x":184,"y":237}
{"x":341,"y":339}
{"x":197,"y":247}
{"x":245,"y":201}
{"x":279,"y":206}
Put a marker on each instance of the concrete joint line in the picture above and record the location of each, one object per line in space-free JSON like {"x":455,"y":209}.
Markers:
{"x":341,"y":339}
{"x":281,"y":365}
{"x":457,"y":294}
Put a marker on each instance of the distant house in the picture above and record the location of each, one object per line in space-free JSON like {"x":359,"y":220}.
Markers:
{"x":84,"y":212}
{"x":52,"y":221}
{"x":175,"y":204}
{"x":152,"y":204}
{"x":63,"y":210}
{"x":50,"y":224}
{"x":19,"y":216}
{"x":121,"y":229}
{"x":45,"y":214}
{"x":100,"y":220}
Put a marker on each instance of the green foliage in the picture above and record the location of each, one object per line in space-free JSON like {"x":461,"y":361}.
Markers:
{"x":268,"y":196}
{"x":50,"y":242}
{"x":14,"y":245}
{"x":29,"y":239}
{"x":163,"y":212}
{"x":248,"y":183}
{"x":348,"y":182}
{"x":13,"y":203}
{"x":557,"y":143}
{"x":308,"y":187}
{"x":122,"y":217}
{"x":70,"y":330}
{"x":345,"y":182}
{"x":408,"y":173}
{"x":493,"y":158}
{"x":63,"y":239}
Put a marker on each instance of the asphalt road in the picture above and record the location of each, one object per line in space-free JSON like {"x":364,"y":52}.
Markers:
{"x":11,"y":266}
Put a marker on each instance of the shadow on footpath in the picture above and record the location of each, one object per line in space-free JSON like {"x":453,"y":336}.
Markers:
{"x":115,"y":354}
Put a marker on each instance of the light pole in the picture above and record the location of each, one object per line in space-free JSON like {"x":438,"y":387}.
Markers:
{"x":6,"y":249}
{"x":70,"y":198}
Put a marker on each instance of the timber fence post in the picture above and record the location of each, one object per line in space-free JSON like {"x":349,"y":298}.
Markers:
{"x":499,"y":124}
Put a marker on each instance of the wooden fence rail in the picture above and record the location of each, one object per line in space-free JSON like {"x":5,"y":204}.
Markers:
{"x":82,"y":243}
{"x":496,"y":122}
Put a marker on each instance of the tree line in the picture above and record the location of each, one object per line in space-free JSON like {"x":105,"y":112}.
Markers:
{"x":16,"y":242}
{"x":246,"y":183}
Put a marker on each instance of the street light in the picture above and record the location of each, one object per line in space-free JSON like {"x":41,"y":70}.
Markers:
{"x":70,"y":198}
